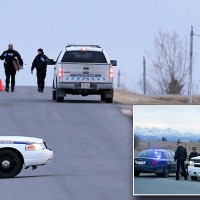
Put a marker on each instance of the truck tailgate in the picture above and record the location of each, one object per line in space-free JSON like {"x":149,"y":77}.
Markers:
{"x":85,"y":72}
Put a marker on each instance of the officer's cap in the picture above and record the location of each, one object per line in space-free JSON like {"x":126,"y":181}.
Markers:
{"x":194,"y":148}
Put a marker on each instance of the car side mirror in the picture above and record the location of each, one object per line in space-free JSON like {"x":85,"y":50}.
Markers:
{"x":113,"y":62}
{"x":51,"y":62}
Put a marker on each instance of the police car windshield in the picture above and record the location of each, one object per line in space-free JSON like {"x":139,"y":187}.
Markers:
{"x":151,"y":154}
{"x":84,"y":56}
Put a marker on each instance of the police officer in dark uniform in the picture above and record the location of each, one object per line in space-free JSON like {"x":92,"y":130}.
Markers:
{"x":40,"y":63}
{"x":10,"y":71}
{"x":193,"y":153}
{"x":180,"y":157}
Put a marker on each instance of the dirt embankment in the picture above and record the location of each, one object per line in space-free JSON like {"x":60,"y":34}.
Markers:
{"x":129,"y":98}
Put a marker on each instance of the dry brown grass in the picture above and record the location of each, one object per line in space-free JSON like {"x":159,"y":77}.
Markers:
{"x":126,"y":97}
{"x":130,"y":98}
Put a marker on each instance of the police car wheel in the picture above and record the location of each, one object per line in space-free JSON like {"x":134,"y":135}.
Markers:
{"x":136,"y":173}
{"x":166,"y":172}
{"x":10,"y":164}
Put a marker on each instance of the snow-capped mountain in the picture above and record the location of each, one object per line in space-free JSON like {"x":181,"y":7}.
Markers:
{"x":171,"y":135}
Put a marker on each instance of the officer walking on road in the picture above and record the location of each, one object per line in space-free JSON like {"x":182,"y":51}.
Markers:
{"x":10,"y":70}
{"x":40,"y":63}
{"x":193,"y":153}
{"x":180,"y":157}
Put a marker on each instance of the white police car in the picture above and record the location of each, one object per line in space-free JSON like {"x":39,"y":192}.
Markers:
{"x":19,"y":151}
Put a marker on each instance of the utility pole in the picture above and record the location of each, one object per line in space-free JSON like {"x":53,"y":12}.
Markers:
{"x":144,"y":74}
{"x":118,"y":79}
{"x":190,"y":67}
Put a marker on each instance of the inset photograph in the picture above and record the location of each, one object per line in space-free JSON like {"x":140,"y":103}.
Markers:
{"x":166,"y":150}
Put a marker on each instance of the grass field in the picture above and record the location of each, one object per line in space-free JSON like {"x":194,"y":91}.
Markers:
{"x":129,"y":98}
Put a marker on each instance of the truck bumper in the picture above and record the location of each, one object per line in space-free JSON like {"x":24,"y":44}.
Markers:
{"x":95,"y":89}
{"x":194,"y":171}
{"x":94,"y":86}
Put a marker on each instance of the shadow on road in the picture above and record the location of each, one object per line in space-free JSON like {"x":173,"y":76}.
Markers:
{"x":153,"y":176}
{"x":39,"y":176}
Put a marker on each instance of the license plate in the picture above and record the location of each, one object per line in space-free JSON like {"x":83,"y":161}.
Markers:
{"x":85,"y":85}
{"x":140,"y":162}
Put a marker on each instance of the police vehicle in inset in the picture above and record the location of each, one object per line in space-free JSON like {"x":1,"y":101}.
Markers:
{"x":158,"y":161}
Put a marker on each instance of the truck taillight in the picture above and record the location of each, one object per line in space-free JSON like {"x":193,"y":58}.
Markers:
{"x":60,"y":72}
{"x":111,"y":73}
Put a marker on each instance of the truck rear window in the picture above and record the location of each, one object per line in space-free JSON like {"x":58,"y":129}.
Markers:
{"x":84,"y":56}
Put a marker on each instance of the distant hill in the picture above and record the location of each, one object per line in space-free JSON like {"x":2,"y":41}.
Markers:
{"x":156,"y":134}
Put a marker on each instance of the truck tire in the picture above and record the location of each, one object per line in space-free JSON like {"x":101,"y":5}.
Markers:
{"x":59,"y":95}
{"x":194,"y":178}
{"x":109,"y":100}
{"x":53,"y":94}
{"x":10,"y":164}
{"x":108,"y":96}
{"x":102,"y":97}
{"x":60,"y":99}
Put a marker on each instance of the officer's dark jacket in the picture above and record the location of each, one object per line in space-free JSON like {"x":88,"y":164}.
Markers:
{"x":193,"y":154}
{"x":40,"y":62}
{"x":8,"y":56}
{"x":180,"y":153}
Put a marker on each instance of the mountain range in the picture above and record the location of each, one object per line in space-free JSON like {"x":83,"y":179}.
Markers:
{"x":170,"y":135}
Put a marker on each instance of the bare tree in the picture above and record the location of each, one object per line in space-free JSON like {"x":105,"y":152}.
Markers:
{"x":169,"y":65}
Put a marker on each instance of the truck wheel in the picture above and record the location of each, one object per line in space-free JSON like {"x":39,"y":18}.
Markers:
{"x":194,"y":178}
{"x":102,"y":97}
{"x":10,"y":164}
{"x":59,"y":99}
{"x":53,"y":94}
{"x":109,"y":100}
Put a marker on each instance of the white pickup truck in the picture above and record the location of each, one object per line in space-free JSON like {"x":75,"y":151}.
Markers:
{"x":84,"y":70}
{"x":194,"y":168}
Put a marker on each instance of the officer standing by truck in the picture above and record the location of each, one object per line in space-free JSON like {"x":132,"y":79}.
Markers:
{"x":40,"y":63}
{"x":180,"y":157}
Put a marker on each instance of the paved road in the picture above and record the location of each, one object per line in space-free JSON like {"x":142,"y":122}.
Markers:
{"x":91,"y":140}
{"x":147,"y":184}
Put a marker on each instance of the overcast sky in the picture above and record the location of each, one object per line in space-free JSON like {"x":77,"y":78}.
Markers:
{"x":126,"y":29}
{"x":183,"y":118}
